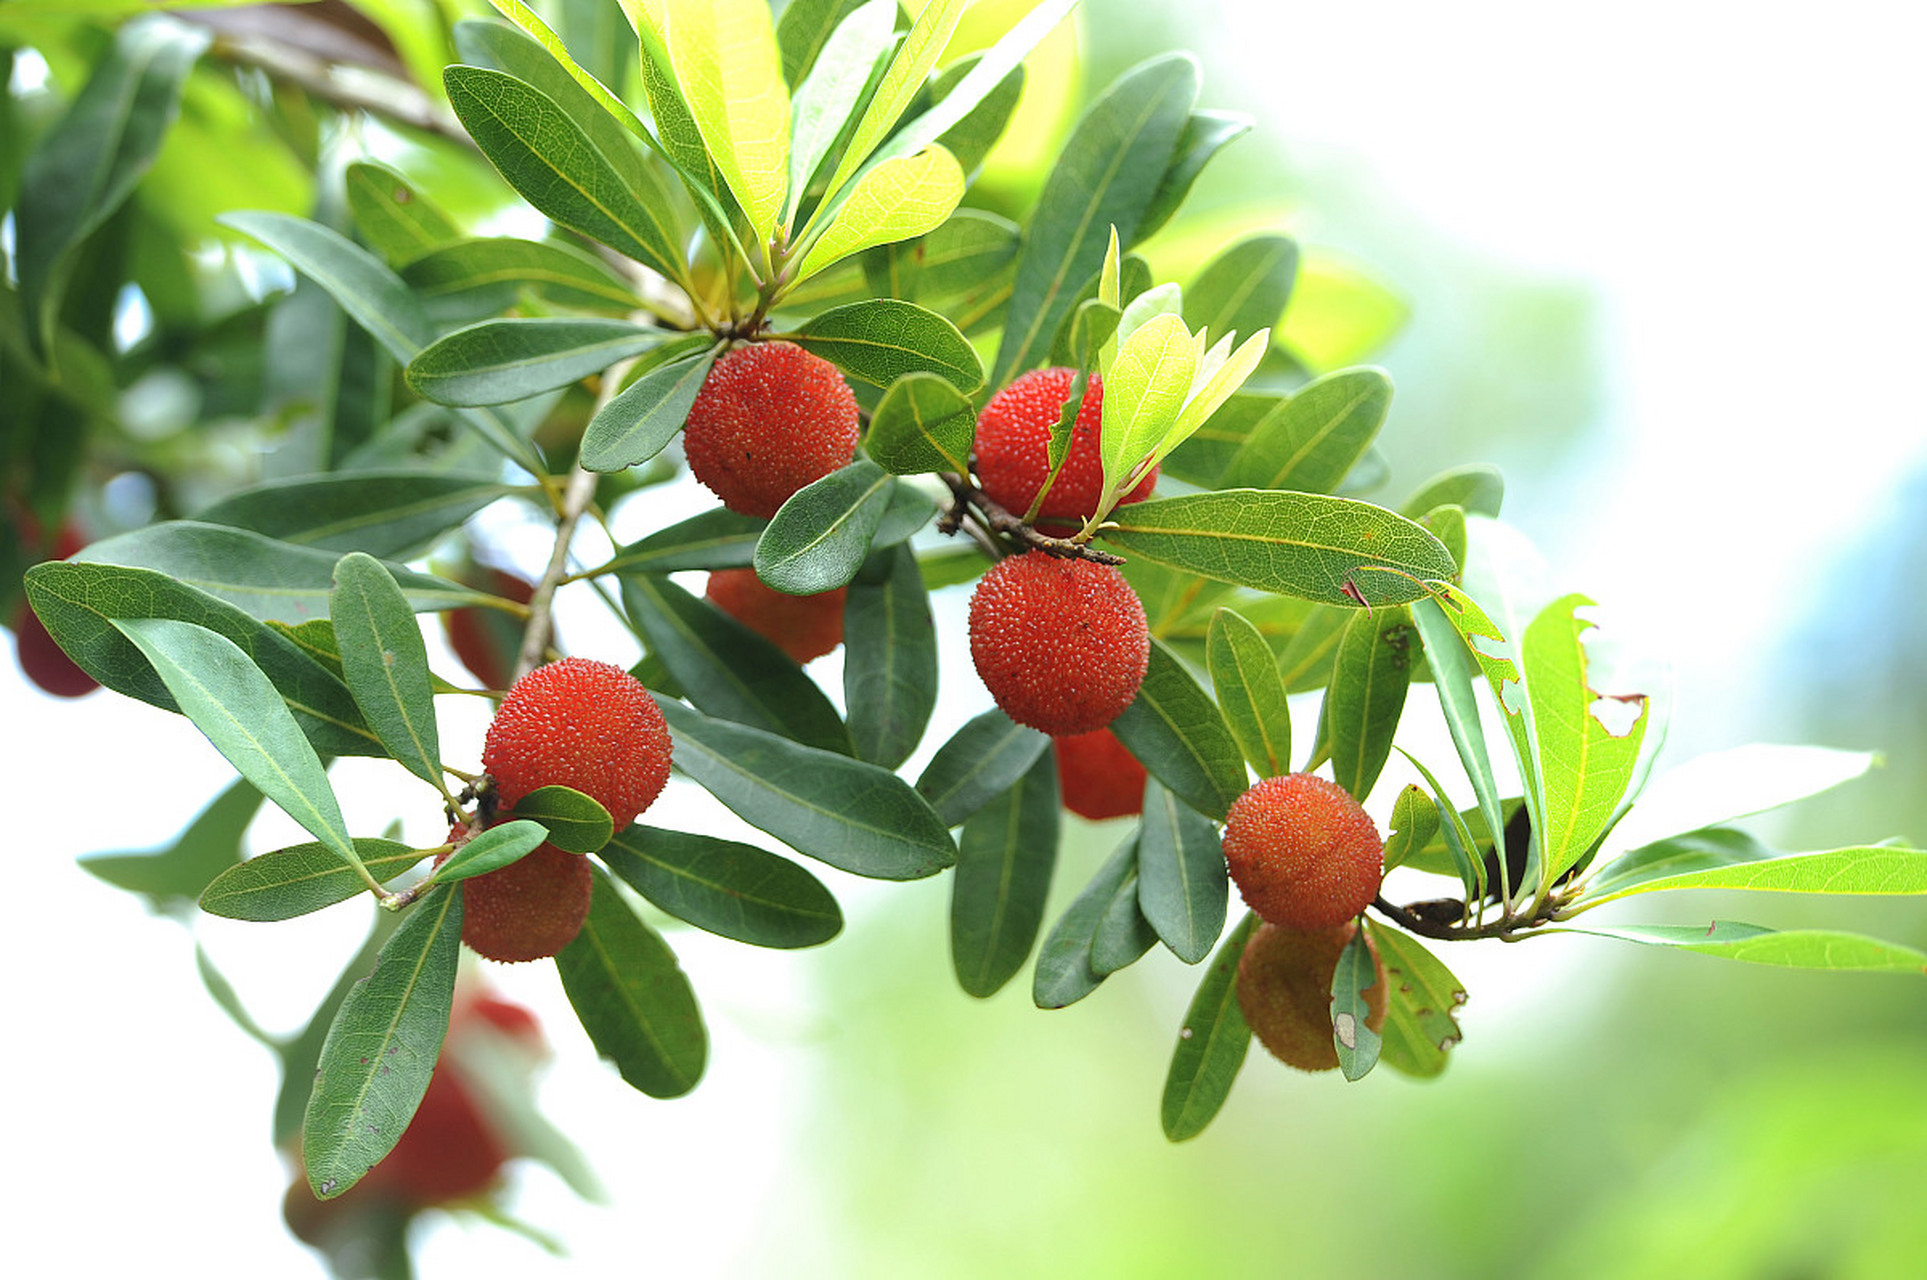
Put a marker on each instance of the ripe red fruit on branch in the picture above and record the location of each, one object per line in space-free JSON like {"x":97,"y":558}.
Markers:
{"x":1013,"y":448}
{"x":42,"y":659}
{"x":1062,"y":645}
{"x":770,"y":419}
{"x":1097,"y":776}
{"x":804,"y":627}
{"x":1285,"y":986}
{"x":1302,"y":852}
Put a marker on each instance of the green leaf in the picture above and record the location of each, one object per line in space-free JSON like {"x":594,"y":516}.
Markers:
{"x":300,"y":879}
{"x":1421,"y":998}
{"x":1202,"y":458}
{"x":382,"y":1048}
{"x":1357,"y":1044}
{"x":230,"y":701}
{"x":1452,"y":670}
{"x":898,"y":200}
{"x":633,"y":999}
{"x":1123,"y":935}
{"x":972,"y":137}
{"x":730,"y":889}
{"x":1251,"y":693}
{"x":882,"y":339}
{"x":499,"y":846}
{"x":681,"y":141}
{"x":78,"y":603}
{"x":1107,"y":176}
{"x":1211,"y":1044}
{"x":728,"y":670}
{"x":174,"y":877}
{"x":1205,"y":134}
{"x":1459,"y":843}
{"x":1182,"y":886}
{"x":1299,"y":544}
{"x":1366,"y":697}
{"x":981,"y":761}
{"x":272,"y":581}
{"x":969,"y":249}
{"x":472,"y":279}
{"x":1789,"y":948}
{"x":300,"y":1055}
{"x":819,"y":538}
{"x":90,"y":161}
{"x":1415,"y":821}
{"x":391,"y":215}
{"x":1862,"y":869}
{"x":1064,"y":975}
{"x":1478,"y":488}
{"x":1243,"y":290}
{"x":852,"y":815}
{"x":385,"y":663}
{"x":382,"y":512}
{"x":542,"y":152}
{"x":890,"y":660}
{"x":924,"y":424}
{"x":1313,"y":439}
{"x":576,"y":823}
{"x":1585,"y":766}
{"x":907,"y":71}
{"x":802,"y":30}
{"x":501,"y":361}
{"x":1178,"y":733}
{"x":715,"y":539}
{"x":725,"y":59}
{"x":636,"y":425}
{"x":1004,"y":862}
{"x":1144,"y":392}
{"x":823,"y":103}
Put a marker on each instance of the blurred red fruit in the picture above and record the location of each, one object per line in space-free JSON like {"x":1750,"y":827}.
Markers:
{"x":1097,"y":775}
{"x":804,"y":627}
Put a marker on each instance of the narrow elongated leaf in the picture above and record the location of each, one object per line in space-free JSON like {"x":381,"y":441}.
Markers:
{"x":175,"y":877}
{"x":1183,"y":888}
{"x":1064,"y":975}
{"x":1585,"y":765}
{"x":1357,"y":1044}
{"x":1451,"y":665}
{"x":1107,"y":176}
{"x":1144,"y":390}
{"x":498,"y":847}
{"x":636,"y":425}
{"x":1004,"y":863}
{"x":472,"y":279}
{"x":1421,"y":999}
{"x":972,"y":247}
{"x":726,"y":62}
{"x":396,"y":219}
{"x":1312,"y":440}
{"x":907,"y":71}
{"x":1211,"y":1044}
{"x":882,"y":339}
{"x":1370,"y":677}
{"x":1205,"y":134}
{"x":1123,"y":935}
{"x":715,"y":539}
{"x":385,"y":662}
{"x":501,"y":361}
{"x":230,"y":701}
{"x":366,"y":289}
{"x":972,"y":137}
{"x":576,"y":823}
{"x":890,"y":661}
{"x":1415,"y":821}
{"x":980,"y":761}
{"x":1478,"y":488}
{"x":633,"y":999}
{"x":852,"y":815}
{"x":1179,"y":734}
{"x":823,"y":103}
{"x":300,"y":879}
{"x":1251,"y":693}
{"x":898,"y":200}
{"x":382,"y":1047}
{"x":272,"y":581}
{"x":802,"y":30}
{"x":923,"y":424}
{"x":1243,"y":290}
{"x":1297,"y":544}
{"x":731,"y":889}
{"x":820,"y":537}
{"x":1863,"y":869}
{"x":1788,"y":948}
{"x":728,"y":670}
{"x":382,"y":512}
{"x":78,"y":603}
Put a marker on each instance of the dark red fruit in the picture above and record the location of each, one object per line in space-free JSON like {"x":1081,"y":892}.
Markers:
{"x":1097,"y":776}
{"x":804,"y":627}
{"x":770,"y":419}
{"x":42,"y":659}
{"x":1284,"y":989}
{"x":1013,"y":448}
{"x":1302,"y":852}
{"x":488,"y":640}
{"x":1062,"y":645}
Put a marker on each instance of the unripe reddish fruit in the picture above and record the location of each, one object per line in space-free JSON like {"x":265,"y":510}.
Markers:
{"x":530,"y":909}
{"x":489,"y":640}
{"x":1097,"y":776}
{"x":1013,"y":448}
{"x":1285,"y":986}
{"x":770,"y":419}
{"x":1062,"y":645}
{"x":42,"y":659}
{"x":804,"y":627}
{"x":1302,"y":852}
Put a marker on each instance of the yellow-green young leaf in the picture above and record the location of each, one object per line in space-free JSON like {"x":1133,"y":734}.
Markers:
{"x":897,"y":200}
{"x":824,"y":103}
{"x":1415,"y":820}
{"x":725,"y":59}
{"x":1790,"y":948}
{"x":1228,"y":378}
{"x":1144,"y":391}
{"x":1866,"y":869}
{"x":908,"y":70}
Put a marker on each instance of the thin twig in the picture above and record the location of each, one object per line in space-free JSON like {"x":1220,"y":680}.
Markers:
{"x":968,"y":497}
{"x":535,"y":638}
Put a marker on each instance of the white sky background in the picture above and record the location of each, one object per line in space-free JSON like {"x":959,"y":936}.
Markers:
{"x":1740,"y":184}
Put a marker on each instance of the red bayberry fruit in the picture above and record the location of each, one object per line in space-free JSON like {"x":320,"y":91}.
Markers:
{"x":1098,"y":777}
{"x":42,"y":659}
{"x":804,"y":627}
{"x":770,"y":419}
{"x":1013,"y":448}
{"x":1302,"y":852}
{"x":1284,"y":989}
{"x":1062,"y":645}
{"x":489,"y":640}
{"x":530,"y":909}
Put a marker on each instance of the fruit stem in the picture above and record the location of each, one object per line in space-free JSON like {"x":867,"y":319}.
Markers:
{"x":967,"y":497}
{"x":1441,"y":919}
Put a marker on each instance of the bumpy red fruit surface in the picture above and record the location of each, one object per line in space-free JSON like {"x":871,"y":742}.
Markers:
{"x":1097,"y":776}
{"x":1013,"y":448}
{"x":1062,"y":645}
{"x":1284,"y":989}
{"x":530,"y":909}
{"x":804,"y":627}
{"x":583,"y":724}
{"x":1302,"y":852}
{"x":770,"y":419}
